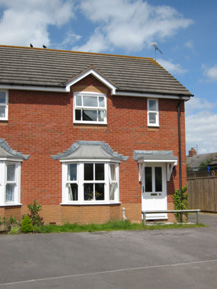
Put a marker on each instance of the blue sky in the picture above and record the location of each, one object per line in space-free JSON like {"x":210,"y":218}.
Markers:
{"x":184,"y":30}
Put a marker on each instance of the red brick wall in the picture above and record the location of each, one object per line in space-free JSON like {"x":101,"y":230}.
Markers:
{"x":41,"y":124}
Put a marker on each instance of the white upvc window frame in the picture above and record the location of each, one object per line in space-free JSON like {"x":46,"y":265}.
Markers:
{"x":81,"y":182}
{"x":82,"y":107}
{"x":4,"y":181}
{"x":151,"y":112}
{"x":4,"y":105}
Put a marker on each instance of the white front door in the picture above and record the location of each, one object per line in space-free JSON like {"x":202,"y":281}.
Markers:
{"x":154,"y":190}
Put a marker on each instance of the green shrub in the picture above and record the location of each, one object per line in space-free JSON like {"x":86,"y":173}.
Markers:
{"x":15,"y":230}
{"x":2,"y":220}
{"x":34,"y":213}
{"x":26,"y":224}
{"x":12,"y":220}
{"x":177,"y":202}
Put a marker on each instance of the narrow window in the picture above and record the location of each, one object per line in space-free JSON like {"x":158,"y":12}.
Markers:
{"x":3,"y":105}
{"x":10,"y":183}
{"x":148,"y":179}
{"x":153,"y":112}
{"x":113,"y":185}
{"x":72,"y":182}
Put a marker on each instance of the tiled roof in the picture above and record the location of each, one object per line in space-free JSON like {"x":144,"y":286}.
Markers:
{"x":196,"y":160}
{"x":54,"y":68}
{"x":89,"y":150}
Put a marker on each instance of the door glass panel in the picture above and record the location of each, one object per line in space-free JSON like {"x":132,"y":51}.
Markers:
{"x":158,"y":179}
{"x":148,"y":179}
{"x":88,"y":172}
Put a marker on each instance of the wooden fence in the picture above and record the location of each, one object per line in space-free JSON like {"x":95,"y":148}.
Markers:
{"x":202,"y":193}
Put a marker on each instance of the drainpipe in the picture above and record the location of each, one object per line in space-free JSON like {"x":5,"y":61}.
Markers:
{"x":180,"y":153}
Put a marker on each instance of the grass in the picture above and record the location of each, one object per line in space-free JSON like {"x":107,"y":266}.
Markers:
{"x":110,"y":226}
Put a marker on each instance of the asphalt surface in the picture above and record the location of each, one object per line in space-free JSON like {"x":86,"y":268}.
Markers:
{"x":178,"y":258}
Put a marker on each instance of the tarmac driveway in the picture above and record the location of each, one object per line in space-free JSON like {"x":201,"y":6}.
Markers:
{"x":184,"y":258}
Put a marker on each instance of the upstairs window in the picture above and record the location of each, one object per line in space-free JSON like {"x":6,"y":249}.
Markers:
{"x":3,"y":105}
{"x":89,"y":108}
{"x":153,"y":112}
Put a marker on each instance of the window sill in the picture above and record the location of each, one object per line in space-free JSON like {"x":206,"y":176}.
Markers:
{"x":11,"y":205}
{"x":90,"y":123}
{"x":90,"y":204}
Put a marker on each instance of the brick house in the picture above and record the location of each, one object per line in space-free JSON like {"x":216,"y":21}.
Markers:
{"x":87,"y":134}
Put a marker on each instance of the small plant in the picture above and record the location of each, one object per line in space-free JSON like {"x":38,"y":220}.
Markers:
{"x":15,"y":230}
{"x":12,"y":220}
{"x":26,"y":224}
{"x":34,"y":213}
{"x":177,"y":202}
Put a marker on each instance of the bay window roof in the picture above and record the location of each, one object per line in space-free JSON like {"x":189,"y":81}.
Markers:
{"x":6,"y":152}
{"x":90,"y":150}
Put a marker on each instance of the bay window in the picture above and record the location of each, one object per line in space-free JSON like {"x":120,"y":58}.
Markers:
{"x":89,"y":107}
{"x":90,"y":183}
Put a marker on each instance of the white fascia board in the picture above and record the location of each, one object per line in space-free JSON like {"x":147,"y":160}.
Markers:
{"x":90,"y":161}
{"x":95,"y":74}
{"x":11,"y":159}
{"x":150,"y":95}
{"x":158,"y":161}
{"x":34,"y":88}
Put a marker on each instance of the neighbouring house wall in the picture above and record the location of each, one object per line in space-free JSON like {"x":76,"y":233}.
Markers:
{"x":41,"y":124}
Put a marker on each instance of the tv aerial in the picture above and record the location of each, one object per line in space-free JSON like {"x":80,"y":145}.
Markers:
{"x":156,"y":48}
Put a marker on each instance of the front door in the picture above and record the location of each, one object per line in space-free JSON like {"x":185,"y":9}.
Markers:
{"x":154,"y":191}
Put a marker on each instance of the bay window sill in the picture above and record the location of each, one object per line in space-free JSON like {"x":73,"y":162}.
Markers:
{"x":11,"y":205}
{"x":91,"y":204}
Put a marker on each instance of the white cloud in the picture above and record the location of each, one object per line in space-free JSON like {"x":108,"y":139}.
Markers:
{"x":210,"y":73}
{"x":189,"y":44}
{"x":198,"y":104}
{"x":130,"y":24}
{"x":172,"y":67}
{"x":26,"y":21}
{"x":201,"y":130}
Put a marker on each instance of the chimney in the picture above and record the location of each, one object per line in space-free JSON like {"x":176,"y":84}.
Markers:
{"x":192,"y":152}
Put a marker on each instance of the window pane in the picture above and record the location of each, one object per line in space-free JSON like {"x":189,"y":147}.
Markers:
{"x":72,"y":172}
{"x":101,"y":102}
{"x":152,"y":117}
{"x":148,"y":179}
{"x":88,"y":172}
{"x":101,"y":115}
{"x":90,"y":115}
{"x":152,"y":105}
{"x":112,"y":170}
{"x":2,"y":111}
{"x":112,"y":188}
{"x":77,"y":114}
{"x":78,"y":100}
{"x":158,"y":179}
{"x":10,"y":172}
{"x":10,"y":192}
{"x":2,"y":97}
{"x":99,"y":192}
{"x":73,"y":192}
{"x":90,"y":101}
{"x":88,"y":192}
{"x":99,"y":172}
